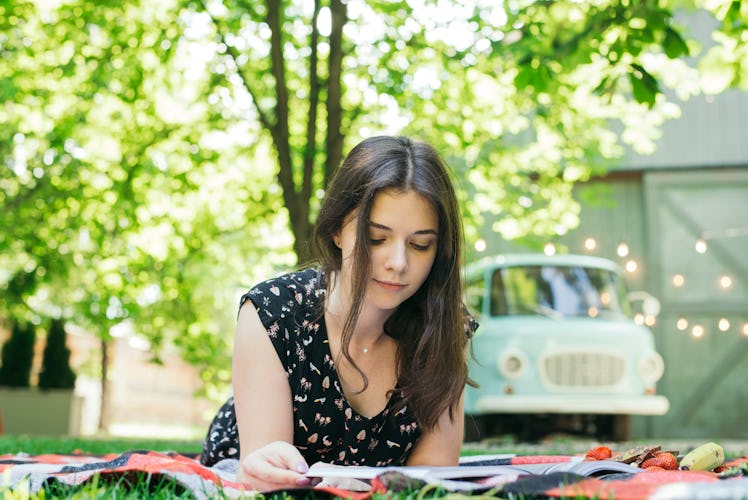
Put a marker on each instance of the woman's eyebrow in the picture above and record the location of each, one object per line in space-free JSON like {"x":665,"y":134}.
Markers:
{"x":387,"y":228}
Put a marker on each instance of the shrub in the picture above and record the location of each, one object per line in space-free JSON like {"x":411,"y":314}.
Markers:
{"x":56,"y":372}
{"x":17,"y":356}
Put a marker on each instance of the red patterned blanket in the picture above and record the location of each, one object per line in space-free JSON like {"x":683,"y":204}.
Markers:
{"x":34,"y":472}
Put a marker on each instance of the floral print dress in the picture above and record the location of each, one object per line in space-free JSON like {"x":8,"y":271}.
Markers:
{"x":326,"y":427}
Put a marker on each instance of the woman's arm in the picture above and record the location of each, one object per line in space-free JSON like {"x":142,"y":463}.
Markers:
{"x":441,"y":445}
{"x":264,"y":412}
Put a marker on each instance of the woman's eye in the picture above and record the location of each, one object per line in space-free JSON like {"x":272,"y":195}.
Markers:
{"x":376,"y":241}
{"x":421,"y":247}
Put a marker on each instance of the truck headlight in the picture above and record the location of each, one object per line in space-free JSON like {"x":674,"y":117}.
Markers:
{"x":651,"y":367}
{"x":511,"y":363}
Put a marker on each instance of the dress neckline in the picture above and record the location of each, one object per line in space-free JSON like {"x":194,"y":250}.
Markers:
{"x":338,"y":384}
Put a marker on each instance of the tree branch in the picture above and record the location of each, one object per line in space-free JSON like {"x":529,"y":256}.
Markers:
{"x":280,"y":128}
{"x":334,"y":140}
{"x":311,"y":130}
{"x":234,"y":55}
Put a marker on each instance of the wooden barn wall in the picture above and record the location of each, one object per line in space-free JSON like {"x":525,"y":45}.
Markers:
{"x":702,"y":331}
{"x":659,"y":216}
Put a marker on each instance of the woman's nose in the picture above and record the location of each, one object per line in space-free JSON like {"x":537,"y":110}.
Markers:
{"x":397,"y":258}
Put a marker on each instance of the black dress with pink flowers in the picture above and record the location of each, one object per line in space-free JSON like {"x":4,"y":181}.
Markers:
{"x":326,"y":427}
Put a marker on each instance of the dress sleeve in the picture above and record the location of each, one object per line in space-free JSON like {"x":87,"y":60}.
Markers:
{"x":268,"y":300}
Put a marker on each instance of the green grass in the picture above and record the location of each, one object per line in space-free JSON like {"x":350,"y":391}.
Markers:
{"x":133,"y":487}
{"x":93,"y":446}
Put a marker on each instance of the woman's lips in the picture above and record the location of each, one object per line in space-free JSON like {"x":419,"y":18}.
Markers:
{"x":390,"y":286}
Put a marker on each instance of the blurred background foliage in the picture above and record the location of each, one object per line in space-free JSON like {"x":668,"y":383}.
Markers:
{"x":160,"y":157}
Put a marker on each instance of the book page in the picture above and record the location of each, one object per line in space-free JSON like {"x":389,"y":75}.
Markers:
{"x":431,"y":473}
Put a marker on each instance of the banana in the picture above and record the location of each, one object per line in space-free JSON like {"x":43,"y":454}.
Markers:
{"x":705,"y":457}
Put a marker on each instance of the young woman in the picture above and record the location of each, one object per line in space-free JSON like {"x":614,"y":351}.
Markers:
{"x":362,"y":360}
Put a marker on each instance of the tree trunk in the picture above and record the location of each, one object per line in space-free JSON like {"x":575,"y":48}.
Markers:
{"x":334,"y":141}
{"x":103,"y":406}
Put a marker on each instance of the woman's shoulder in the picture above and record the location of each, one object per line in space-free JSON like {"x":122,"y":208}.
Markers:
{"x":299,"y":286}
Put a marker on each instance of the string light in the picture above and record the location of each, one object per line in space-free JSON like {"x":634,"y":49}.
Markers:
{"x":731,"y":232}
{"x":725,"y":281}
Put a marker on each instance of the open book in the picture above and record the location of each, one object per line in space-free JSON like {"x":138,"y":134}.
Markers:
{"x":466,"y":472}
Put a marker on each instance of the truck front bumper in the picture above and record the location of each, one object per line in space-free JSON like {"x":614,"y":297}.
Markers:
{"x":614,"y":404}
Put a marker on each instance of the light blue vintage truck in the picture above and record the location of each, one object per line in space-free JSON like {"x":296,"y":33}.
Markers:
{"x":558,"y":349}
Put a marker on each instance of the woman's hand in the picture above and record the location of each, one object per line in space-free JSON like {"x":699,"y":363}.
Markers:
{"x":275,"y":466}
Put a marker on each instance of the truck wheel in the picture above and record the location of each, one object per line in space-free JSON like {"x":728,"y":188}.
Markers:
{"x":614,"y":427}
{"x":621,"y":428}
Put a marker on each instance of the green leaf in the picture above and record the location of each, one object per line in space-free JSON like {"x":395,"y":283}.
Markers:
{"x":674,"y":44}
{"x":524,"y":78}
{"x":644,"y":85}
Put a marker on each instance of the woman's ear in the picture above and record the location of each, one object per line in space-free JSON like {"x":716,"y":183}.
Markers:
{"x":336,"y":239}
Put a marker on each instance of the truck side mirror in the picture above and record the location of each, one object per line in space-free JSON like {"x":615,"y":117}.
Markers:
{"x":650,"y":306}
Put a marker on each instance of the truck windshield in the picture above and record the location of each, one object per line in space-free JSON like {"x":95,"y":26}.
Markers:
{"x":558,"y":291}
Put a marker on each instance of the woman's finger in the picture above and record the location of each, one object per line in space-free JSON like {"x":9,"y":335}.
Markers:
{"x":275,"y":466}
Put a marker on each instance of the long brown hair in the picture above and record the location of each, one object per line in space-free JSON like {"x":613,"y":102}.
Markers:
{"x":429,"y":326}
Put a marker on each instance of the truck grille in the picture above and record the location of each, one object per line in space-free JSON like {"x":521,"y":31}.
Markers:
{"x":582,"y":369}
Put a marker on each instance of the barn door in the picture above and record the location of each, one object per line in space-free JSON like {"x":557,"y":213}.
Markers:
{"x":698,"y":256}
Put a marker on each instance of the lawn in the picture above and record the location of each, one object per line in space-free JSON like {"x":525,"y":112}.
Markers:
{"x":93,"y":446}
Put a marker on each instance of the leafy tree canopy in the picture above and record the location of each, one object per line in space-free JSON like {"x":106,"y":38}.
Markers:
{"x":160,"y":156}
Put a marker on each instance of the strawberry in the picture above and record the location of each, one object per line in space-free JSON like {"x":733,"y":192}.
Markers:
{"x":661,"y":459}
{"x":654,"y":468}
{"x":598,"y":453}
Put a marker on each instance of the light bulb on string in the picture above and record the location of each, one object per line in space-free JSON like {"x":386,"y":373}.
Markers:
{"x":730,"y":232}
{"x":697,"y":331}
{"x":725,"y":282}
{"x":622,"y":250}
{"x":701,"y":245}
{"x":631,"y":266}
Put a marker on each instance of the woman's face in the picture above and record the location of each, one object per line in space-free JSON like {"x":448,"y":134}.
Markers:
{"x":403,"y":230}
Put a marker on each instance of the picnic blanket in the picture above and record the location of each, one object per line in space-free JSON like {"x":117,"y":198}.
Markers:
{"x":34,"y":472}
